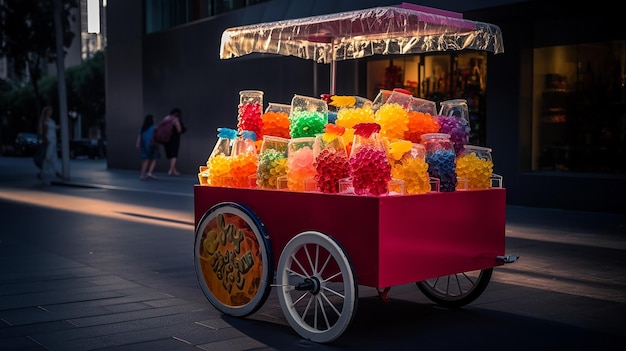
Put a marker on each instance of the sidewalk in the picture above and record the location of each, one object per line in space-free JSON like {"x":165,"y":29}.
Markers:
{"x":565,"y":292}
{"x":83,"y":172}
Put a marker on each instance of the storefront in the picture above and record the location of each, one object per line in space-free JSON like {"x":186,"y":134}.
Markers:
{"x":551,"y":106}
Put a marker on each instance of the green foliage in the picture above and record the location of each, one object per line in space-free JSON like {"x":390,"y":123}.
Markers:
{"x":27,"y":36}
{"x":85,"y":94}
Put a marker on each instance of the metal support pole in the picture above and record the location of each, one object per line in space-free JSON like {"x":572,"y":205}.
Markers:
{"x":65,"y":144}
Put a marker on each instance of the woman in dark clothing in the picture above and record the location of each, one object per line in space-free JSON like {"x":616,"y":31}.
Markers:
{"x":148,"y":152}
{"x":171,"y":148}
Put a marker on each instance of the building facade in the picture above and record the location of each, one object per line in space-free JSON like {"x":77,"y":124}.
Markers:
{"x":552,"y":106}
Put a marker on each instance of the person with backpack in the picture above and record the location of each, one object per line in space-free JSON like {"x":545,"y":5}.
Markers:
{"x":148,"y":151}
{"x":172,"y":145}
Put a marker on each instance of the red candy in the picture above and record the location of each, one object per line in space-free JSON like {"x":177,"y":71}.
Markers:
{"x":249,"y":118}
{"x":330,"y":167}
{"x":366,"y":129}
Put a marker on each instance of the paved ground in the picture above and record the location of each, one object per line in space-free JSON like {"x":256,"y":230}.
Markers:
{"x":567,"y":291}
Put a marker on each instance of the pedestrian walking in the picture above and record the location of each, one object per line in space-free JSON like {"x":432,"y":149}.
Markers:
{"x":148,"y":151}
{"x":172,"y":146}
{"x":47,"y":129}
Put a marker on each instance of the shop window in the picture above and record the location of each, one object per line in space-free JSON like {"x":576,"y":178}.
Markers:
{"x":436,"y":78}
{"x":579,"y":108}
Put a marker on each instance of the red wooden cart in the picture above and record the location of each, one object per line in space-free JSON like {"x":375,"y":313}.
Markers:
{"x":322,"y":246}
{"x":316,"y":248}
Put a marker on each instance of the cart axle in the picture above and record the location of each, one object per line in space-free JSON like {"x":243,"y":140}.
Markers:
{"x":311,"y":284}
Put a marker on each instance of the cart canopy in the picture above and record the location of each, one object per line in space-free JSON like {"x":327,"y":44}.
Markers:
{"x":405,"y":29}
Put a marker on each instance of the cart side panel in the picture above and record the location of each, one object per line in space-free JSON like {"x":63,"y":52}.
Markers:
{"x":351,"y":220}
{"x":437,"y":234}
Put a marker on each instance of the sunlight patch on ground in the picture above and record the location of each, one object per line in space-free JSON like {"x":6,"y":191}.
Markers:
{"x":152,"y":215}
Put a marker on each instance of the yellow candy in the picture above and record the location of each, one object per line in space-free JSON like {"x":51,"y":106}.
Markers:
{"x":349,"y":117}
{"x":342,"y":101}
{"x":218,"y":168}
{"x":393,"y":120}
{"x":398,"y":148}
{"x":476,"y":170}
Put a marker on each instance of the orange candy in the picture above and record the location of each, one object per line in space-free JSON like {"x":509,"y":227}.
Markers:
{"x":275,"y":124}
{"x":419,"y":123}
{"x":242,"y":167}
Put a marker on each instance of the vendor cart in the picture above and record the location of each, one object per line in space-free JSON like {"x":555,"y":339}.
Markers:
{"x":316,"y":249}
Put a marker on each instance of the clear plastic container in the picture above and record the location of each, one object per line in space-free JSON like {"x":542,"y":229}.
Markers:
{"x":422,"y":119}
{"x":475,"y":167}
{"x":408,"y":163}
{"x":455,"y":107}
{"x":218,"y":163}
{"x":272,"y":162}
{"x":381,"y":99}
{"x":243,"y":161}
{"x":441,"y":160}
{"x":300,"y":163}
{"x":307,"y":117}
{"x":401,"y":97}
{"x":250,"y":110}
{"x":330,"y":162}
{"x":276,"y":120}
{"x":393,"y":114}
{"x":277,"y":107}
{"x":369,"y":167}
{"x":453,"y":119}
{"x":423,"y":105}
{"x":354,"y":110}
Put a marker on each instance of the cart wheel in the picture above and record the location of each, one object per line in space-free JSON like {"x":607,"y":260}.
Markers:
{"x":233,"y":259}
{"x":317,"y":287}
{"x":456,"y":290}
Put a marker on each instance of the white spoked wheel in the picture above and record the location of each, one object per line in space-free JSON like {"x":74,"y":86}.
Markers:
{"x":317,"y":287}
{"x":456,"y":290}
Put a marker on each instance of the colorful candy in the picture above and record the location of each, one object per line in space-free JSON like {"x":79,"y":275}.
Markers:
{"x":369,"y":168}
{"x":331,"y":159}
{"x":275,"y":123}
{"x":393,"y":119}
{"x":476,"y":166}
{"x":300,"y":163}
{"x":441,"y":160}
{"x":272,"y":164}
{"x":249,"y":112}
{"x":414,"y":173}
{"x":349,"y":117}
{"x":458,"y":129}
{"x":419,"y":123}
{"x":218,"y":170}
{"x":307,"y":124}
{"x":370,"y":171}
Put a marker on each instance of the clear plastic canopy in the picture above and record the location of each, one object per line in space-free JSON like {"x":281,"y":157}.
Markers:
{"x":405,"y":29}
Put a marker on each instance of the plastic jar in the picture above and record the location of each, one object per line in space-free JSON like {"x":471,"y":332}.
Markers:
{"x":218,"y":163}
{"x":272,"y":162}
{"x":300,"y":167}
{"x":250,"y":110}
{"x":369,"y":167}
{"x":408,"y":163}
{"x":441,"y":160}
{"x":276,"y":120}
{"x":475,"y":167}
{"x":454,"y":120}
{"x":244,"y":161}
{"x":330,"y":161}
{"x":308,"y":116}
